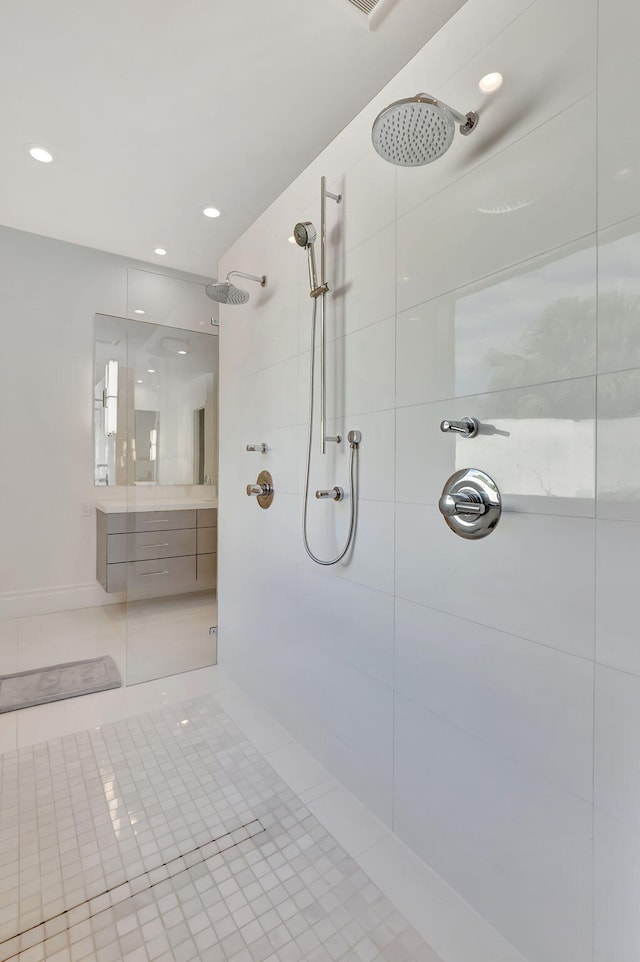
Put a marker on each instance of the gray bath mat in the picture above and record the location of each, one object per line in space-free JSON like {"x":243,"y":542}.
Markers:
{"x":25,"y":689}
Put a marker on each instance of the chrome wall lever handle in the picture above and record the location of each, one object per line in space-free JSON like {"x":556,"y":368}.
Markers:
{"x":257,"y":489}
{"x":335,"y":494}
{"x":262,"y":447}
{"x":456,"y":504}
{"x":467,"y":427}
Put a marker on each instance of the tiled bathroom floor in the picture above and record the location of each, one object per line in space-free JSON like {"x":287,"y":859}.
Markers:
{"x":169,"y":836}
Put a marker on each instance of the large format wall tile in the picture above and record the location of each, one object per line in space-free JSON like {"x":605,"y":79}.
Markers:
{"x":514,"y":846}
{"x":524,"y":700}
{"x":537,"y":443}
{"x":618,"y":135}
{"x":618,"y":423}
{"x":617,"y":760}
{"x":554,"y":203}
{"x":532,"y":577}
{"x":530,"y":324}
{"x":616,"y":890}
{"x":619,"y":297}
{"x":363,"y":370}
{"x":617,"y":596}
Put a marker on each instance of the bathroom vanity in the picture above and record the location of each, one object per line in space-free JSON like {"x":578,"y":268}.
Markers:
{"x":156,"y":549}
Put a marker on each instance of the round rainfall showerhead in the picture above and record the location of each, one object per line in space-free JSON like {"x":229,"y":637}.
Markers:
{"x":304,"y":234}
{"x":418,"y":130}
{"x":226,"y":293}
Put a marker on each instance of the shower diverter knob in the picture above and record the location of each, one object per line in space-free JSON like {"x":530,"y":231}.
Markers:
{"x":471,"y":503}
{"x":262,"y":489}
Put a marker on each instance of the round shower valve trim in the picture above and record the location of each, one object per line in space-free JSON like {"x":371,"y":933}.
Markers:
{"x":262,"y":490}
{"x":471,"y":504}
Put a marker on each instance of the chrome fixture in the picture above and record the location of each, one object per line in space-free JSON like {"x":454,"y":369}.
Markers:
{"x":262,"y":447}
{"x":226,"y":293}
{"x":334,"y":494}
{"x":471,"y":503}
{"x":262,"y":489}
{"x":305,"y":236}
{"x":418,"y":130}
{"x":467,"y":427}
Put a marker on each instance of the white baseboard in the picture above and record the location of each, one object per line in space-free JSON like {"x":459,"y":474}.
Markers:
{"x":44,"y":601}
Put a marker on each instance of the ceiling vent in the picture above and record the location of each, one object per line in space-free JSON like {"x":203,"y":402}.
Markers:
{"x":375,"y":10}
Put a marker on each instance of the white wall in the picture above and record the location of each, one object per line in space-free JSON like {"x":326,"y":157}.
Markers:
{"x":49,"y":294}
{"x":451,"y":685}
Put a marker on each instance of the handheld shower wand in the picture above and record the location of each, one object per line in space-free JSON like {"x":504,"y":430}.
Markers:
{"x":305,"y":236}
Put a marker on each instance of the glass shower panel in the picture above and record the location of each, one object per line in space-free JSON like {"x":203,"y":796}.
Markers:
{"x":171,"y":519}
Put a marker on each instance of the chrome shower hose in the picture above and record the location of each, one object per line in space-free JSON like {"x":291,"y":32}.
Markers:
{"x":353,"y":467}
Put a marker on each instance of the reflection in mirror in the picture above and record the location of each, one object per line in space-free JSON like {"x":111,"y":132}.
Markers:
{"x":155,"y":404}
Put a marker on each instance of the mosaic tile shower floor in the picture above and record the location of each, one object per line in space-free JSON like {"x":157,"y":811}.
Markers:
{"x":169,"y":837}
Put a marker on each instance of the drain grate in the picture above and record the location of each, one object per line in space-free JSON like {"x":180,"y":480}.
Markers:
{"x":146,"y":880}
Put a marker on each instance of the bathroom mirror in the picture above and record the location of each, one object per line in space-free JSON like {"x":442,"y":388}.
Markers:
{"x":155,"y":404}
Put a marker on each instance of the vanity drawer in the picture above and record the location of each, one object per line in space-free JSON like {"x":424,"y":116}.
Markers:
{"x":207,"y":517}
{"x":130,"y":521}
{"x":207,"y":540}
{"x":207,"y":566}
{"x":154,"y":544}
{"x":151,"y":579}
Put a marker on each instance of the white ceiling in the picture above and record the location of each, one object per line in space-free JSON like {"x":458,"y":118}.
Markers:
{"x":156,"y":108}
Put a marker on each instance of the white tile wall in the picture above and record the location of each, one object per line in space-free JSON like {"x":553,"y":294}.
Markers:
{"x":450,"y":685}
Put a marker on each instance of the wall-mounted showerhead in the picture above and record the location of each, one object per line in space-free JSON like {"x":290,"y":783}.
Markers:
{"x":418,"y":130}
{"x":226,"y":293}
{"x":304,"y":233}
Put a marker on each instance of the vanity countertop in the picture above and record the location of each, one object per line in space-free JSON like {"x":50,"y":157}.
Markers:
{"x":178,"y":504}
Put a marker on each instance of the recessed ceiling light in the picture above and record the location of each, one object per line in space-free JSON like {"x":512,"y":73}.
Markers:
{"x":182,"y":352}
{"x":41,"y":154}
{"x":490,"y":82}
{"x":138,"y":382}
{"x":211,"y":212}
{"x":151,"y":370}
{"x":160,"y":250}
{"x":138,"y":310}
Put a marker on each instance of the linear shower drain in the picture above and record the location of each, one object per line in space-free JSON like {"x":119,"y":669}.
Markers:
{"x":146,"y":880}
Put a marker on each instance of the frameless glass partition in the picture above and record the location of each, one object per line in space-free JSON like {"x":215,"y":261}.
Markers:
{"x":155,"y":475}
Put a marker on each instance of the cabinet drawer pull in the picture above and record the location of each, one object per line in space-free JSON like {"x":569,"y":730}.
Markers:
{"x":159,"y":521}
{"x":151,"y":574}
{"x":163,"y":544}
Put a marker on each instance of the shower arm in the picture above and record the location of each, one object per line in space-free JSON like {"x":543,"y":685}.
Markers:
{"x":324,"y":193}
{"x":259,"y":279}
{"x":467,"y":121}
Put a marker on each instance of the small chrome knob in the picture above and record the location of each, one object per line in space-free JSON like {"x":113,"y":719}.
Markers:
{"x":334,"y":494}
{"x":467,"y":427}
{"x":259,"y":490}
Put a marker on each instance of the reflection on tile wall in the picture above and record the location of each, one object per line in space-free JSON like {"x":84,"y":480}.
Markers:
{"x":450,"y":684}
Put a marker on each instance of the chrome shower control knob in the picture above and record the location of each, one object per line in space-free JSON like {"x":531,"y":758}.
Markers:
{"x":471,"y":504}
{"x":262,"y":489}
{"x":467,"y":427}
{"x":453,"y":504}
{"x":333,"y":494}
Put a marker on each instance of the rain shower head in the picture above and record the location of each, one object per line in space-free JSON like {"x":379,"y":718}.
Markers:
{"x":418,"y":130}
{"x":226,"y":293}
